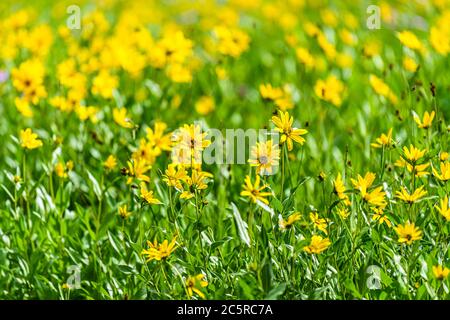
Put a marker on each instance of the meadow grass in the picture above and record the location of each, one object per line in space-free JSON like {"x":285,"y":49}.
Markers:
{"x":96,"y":204}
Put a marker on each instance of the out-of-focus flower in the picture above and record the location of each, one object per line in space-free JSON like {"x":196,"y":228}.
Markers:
{"x":330,"y":89}
{"x":382,"y":89}
{"x":29,"y":140}
{"x":121,"y":118}
{"x":205,"y":105}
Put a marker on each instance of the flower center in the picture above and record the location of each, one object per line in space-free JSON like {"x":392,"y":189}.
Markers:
{"x":264,"y":160}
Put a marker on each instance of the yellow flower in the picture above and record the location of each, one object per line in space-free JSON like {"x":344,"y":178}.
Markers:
{"x":382,"y":89}
{"x":385,"y":140}
{"x":123,"y":212}
{"x":173,"y":49}
{"x":317,"y":245}
{"x":311,"y":29}
{"x":188,"y":143}
{"x":137,"y":169}
{"x":445,"y":171}
{"x":148,"y":195}
{"x":285,"y":102}
{"x":221,"y":73}
{"x":362,"y":184}
{"x":282,"y":97}
{"x":23,"y":106}
{"x":173,"y":177}
{"x":110,"y":163}
{"x":305,"y":57}
{"x":254,"y":191}
{"x":409,"y":39}
{"x":85,"y":113}
{"x":28,"y":79}
{"x":413,"y":154}
{"x":417,"y":170}
{"x":427,"y":120}
{"x":60,"y":170}
{"x":408,"y":233}
{"x":376,"y":196}
{"x":328,"y":48}
{"x":289,"y":223}
{"x":264,"y":156}
{"x":319,"y":223}
{"x":440,"y":272}
{"x":443,"y":156}
{"x":178,"y":73}
{"x":283,"y":124}
{"x":65,"y":286}
{"x":231,"y":41}
{"x":187,"y":195}
{"x":196,"y":182}
{"x":444,"y":210}
{"x":121,"y":118}
{"x":347,"y":37}
{"x":411,"y":198}
{"x":343,"y":212}
{"x":104,"y":84}
{"x":205,"y":105}
{"x":161,"y":251}
{"x":339,"y":189}
{"x":157,"y":139}
{"x":330,"y":90}
{"x":17,"y":179}
{"x":29,"y":139}
{"x":372,"y":48}
{"x":69,"y":165}
{"x":269,"y":92}
{"x":329,"y":17}
{"x":194,"y":285}
{"x":409,"y":64}
{"x":381,"y":217}
{"x":440,"y":40}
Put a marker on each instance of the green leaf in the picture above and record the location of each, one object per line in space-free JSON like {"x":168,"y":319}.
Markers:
{"x":95,"y":185}
{"x":241,"y":225}
{"x":266,"y":274}
{"x":276,"y":204}
{"x":265,"y":207}
{"x":275,"y":292}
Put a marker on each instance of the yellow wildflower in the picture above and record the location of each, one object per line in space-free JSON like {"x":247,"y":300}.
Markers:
{"x":29,"y":140}
{"x":427,"y":120}
{"x":161,"y":251}
{"x":444,"y":210}
{"x":408,"y":233}
{"x":255,"y":191}
{"x":411,"y":198}
{"x":283,"y":124}
{"x":317,"y":245}
{"x":194,"y":285}
{"x":289,"y":223}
